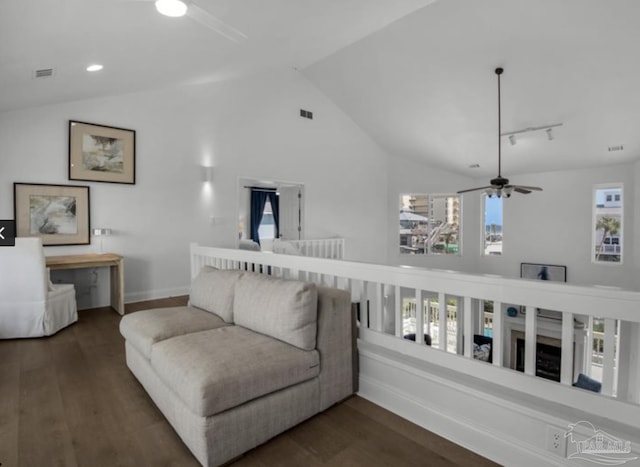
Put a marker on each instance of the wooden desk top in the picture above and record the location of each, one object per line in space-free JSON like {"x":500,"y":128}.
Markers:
{"x":90,"y":260}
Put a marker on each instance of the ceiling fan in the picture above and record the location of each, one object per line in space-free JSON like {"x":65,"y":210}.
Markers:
{"x":500,"y":186}
{"x":178,"y":8}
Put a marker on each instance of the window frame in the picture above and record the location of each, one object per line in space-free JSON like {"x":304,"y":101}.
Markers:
{"x":430,"y":197}
{"x":594,"y":208}
{"x":483,"y":224}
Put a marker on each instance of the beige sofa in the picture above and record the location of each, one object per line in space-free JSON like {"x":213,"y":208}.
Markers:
{"x":250,"y":357}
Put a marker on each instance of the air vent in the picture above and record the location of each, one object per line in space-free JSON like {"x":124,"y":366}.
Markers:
{"x":43,"y":73}
{"x":474,"y":166}
{"x":615,"y":148}
{"x":306,"y":114}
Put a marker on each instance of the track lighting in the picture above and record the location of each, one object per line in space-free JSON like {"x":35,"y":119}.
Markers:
{"x":547,"y":128}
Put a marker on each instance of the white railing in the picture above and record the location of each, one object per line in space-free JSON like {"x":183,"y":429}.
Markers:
{"x":332,"y":248}
{"x":380,"y":290}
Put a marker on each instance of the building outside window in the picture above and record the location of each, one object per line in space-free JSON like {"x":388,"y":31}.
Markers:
{"x":430,"y":224}
{"x":492,"y":225}
{"x":607,"y":244}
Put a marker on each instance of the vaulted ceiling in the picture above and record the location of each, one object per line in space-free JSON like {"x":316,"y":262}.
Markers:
{"x":417,"y":75}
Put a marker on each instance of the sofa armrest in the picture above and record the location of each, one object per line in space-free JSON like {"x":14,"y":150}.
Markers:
{"x":334,"y":343}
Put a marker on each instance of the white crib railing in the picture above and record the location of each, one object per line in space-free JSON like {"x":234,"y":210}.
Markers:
{"x":380,"y":291}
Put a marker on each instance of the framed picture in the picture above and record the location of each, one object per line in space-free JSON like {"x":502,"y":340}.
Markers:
{"x":59,"y":214}
{"x":543,"y":272}
{"x":101,"y":153}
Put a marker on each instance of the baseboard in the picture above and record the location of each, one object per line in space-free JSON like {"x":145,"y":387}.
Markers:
{"x":449,"y":420}
{"x":155,"y":294}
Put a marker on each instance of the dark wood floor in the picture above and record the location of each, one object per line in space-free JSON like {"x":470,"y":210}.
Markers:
{"x":69,"y":400}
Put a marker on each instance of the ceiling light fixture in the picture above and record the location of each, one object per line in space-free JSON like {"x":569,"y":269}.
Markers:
{"x":530,"y":129}
{"x":94,"y":67}
{"x":172,"y":8}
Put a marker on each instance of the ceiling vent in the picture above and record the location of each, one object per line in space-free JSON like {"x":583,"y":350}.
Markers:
{"x":615,"y":148}
{"x":43,"y":73}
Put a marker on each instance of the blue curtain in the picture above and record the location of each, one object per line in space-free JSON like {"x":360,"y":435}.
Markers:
{"x":258,"y":200}
{"x":274,"y":199}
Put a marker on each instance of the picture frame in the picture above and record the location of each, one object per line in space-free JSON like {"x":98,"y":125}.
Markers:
{"x":59,"y":214}
{"x":545,"y":272}
{"x":548,"y":272}
{"x":101,"y":153}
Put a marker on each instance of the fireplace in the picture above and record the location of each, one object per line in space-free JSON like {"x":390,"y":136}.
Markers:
{"x":548,"y":355}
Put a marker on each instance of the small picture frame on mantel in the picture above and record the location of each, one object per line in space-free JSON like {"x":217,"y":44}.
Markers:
{"x":100,"y":153}
{"x":544,"y":272}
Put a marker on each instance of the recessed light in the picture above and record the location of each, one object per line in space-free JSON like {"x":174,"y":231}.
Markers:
{"x":173,"y":8}
{"x":95,"y":67}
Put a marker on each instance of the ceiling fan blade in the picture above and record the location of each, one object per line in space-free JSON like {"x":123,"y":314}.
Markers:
{"x":522,"y":190}
{"x":207,"y":19}
{"x":475,"y":189}
{"x":530,"y":188}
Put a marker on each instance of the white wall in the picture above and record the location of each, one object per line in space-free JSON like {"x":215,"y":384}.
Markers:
{"x":555,"y":227}
{"x":552,"y":227}
{"x":248,"y":128}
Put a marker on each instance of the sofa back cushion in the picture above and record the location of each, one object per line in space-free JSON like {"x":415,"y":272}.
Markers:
{"x":212,"y":290}
{"x":284,"y":309}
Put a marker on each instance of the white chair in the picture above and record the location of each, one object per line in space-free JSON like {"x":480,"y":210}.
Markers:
{"x":30,"y":305}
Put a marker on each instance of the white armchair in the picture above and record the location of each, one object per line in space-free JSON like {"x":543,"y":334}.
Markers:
{"x":30,"y":306}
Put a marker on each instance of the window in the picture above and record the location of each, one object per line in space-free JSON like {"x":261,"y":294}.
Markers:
{"x":607,"y":224}
{"x":267,"y":229}
{"x":492,"y":225}
{"x":430,"y":224}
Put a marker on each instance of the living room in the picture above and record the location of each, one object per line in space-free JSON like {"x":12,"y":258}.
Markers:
{"x":250,"y":127}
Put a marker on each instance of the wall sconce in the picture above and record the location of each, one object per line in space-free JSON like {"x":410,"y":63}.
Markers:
{"x":206,"y":173}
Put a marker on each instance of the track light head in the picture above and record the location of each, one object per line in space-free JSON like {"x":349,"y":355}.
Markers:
{"x":512,"y":140}
{"x":549,"y":134}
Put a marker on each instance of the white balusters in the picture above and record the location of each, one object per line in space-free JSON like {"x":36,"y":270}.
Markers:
{"x":530,"y":341}
{"x":566,"y":363}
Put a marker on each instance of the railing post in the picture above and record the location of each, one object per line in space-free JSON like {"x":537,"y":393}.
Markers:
{"x":531,"y":341}
{"x":468,"y":322}
{"x":498,"y":337}
{"x":608,"y":362}
{"x":442,"y":321}
{"x":398,"y":311}
{"x":566,"y":363}
{"x":419,"y":317}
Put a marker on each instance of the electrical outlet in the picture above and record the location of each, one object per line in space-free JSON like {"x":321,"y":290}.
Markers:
{"x":556,"y":442}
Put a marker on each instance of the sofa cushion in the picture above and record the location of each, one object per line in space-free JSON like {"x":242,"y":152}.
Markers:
{"x":212,"y":290}
{"x":284,"y":309}
{"x":144,"y":328}
{"x":212,"y":371}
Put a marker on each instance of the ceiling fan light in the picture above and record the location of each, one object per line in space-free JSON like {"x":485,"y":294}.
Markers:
{"x":172,"y":8}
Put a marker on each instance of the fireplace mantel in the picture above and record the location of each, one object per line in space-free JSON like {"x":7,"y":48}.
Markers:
{"x":549,"y":332}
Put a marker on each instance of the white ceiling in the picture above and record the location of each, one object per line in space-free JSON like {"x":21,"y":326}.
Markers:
{"x":417,"y":75}
{"x":142,"y":49}
{"x":425,"y":87}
